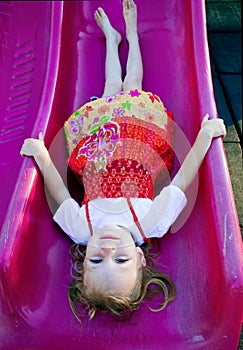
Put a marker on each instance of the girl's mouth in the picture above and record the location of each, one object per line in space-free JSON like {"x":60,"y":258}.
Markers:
{"x":109,"y":237}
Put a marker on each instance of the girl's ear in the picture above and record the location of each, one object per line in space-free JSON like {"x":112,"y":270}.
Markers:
{"x":141,"y":257}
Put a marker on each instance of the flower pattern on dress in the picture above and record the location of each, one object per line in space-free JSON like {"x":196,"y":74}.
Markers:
{"x":122,"y":93}
{"x":153,"y":97}
{"x":126,"y":105}
{"x":151,"y":118}
{"x":76,"y":126}
{"x":118,"y":112}
{"x":134,"y":93}
{"x":101,"y":145}
{"x":110,"y":99}
{"x":144,"y":111}
{"x":103,"y":110}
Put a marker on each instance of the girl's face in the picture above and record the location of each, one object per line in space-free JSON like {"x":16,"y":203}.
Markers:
{"x":112,"y":260}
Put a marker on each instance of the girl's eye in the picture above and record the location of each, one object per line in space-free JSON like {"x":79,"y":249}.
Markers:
{"x":96,"y":260}
{"x":121,"y":260}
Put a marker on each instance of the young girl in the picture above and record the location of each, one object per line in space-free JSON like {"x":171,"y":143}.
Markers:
{"x":120,"y":148}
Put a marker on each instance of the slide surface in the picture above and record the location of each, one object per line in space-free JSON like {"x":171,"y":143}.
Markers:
{"x":51,"y":61}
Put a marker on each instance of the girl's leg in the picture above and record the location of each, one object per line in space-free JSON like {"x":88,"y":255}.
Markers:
{"x":134,"y":76}
{"x":113,"y":71}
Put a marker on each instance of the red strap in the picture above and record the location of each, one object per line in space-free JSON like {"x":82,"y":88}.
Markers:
{"x":134,"y":218}
{"x":88,"y":219}
{"x":136,"y":221}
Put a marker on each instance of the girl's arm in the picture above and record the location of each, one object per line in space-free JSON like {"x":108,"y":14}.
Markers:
{"x":36,"y":148}
{"x":190,"y":166}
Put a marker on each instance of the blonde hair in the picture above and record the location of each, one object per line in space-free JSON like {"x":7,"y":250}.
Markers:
{"x":150,"y":283}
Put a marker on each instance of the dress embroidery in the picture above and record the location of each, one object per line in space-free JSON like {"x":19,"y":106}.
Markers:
{"x":101,"y":144}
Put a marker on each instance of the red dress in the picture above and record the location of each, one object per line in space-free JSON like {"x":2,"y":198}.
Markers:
{"x":121,"y":145}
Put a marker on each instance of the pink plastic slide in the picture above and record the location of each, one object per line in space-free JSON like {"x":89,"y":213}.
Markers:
{"x":52,"y":61}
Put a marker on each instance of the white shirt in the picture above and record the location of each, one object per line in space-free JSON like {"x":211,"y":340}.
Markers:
{"x":155,"y":216}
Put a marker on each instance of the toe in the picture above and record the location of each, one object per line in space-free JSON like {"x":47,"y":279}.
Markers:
{"x":125,"y":4}
{"x":131,"y":4}
{"x":101,"y":12}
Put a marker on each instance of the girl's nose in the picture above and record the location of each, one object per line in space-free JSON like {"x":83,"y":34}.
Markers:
{"x":108,"y":250}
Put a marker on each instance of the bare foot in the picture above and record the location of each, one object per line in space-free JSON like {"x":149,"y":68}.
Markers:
{"x":103,"y":22}
{"x":130,"y":17}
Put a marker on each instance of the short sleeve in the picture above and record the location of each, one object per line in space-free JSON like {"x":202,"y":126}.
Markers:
{"x":69,"y":217}
{"x":163,"y":212}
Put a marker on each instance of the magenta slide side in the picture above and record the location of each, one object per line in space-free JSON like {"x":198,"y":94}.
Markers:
{"x":51,"y":61}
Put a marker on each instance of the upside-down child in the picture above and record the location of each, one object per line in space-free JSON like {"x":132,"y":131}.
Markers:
{"x":119,"y":146}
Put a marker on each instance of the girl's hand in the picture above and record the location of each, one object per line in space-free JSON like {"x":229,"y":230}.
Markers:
{"x":190,"y":166}
{"x":34,"y":147}
{"x":213,"y":127}
{"x":53,"y":180}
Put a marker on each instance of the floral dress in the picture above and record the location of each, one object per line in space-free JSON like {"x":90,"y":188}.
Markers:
{"x":121,"y":145}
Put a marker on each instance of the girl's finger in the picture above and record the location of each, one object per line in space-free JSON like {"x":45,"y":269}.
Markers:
{"x":206,"y":117}
{"x":41,"y":137}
